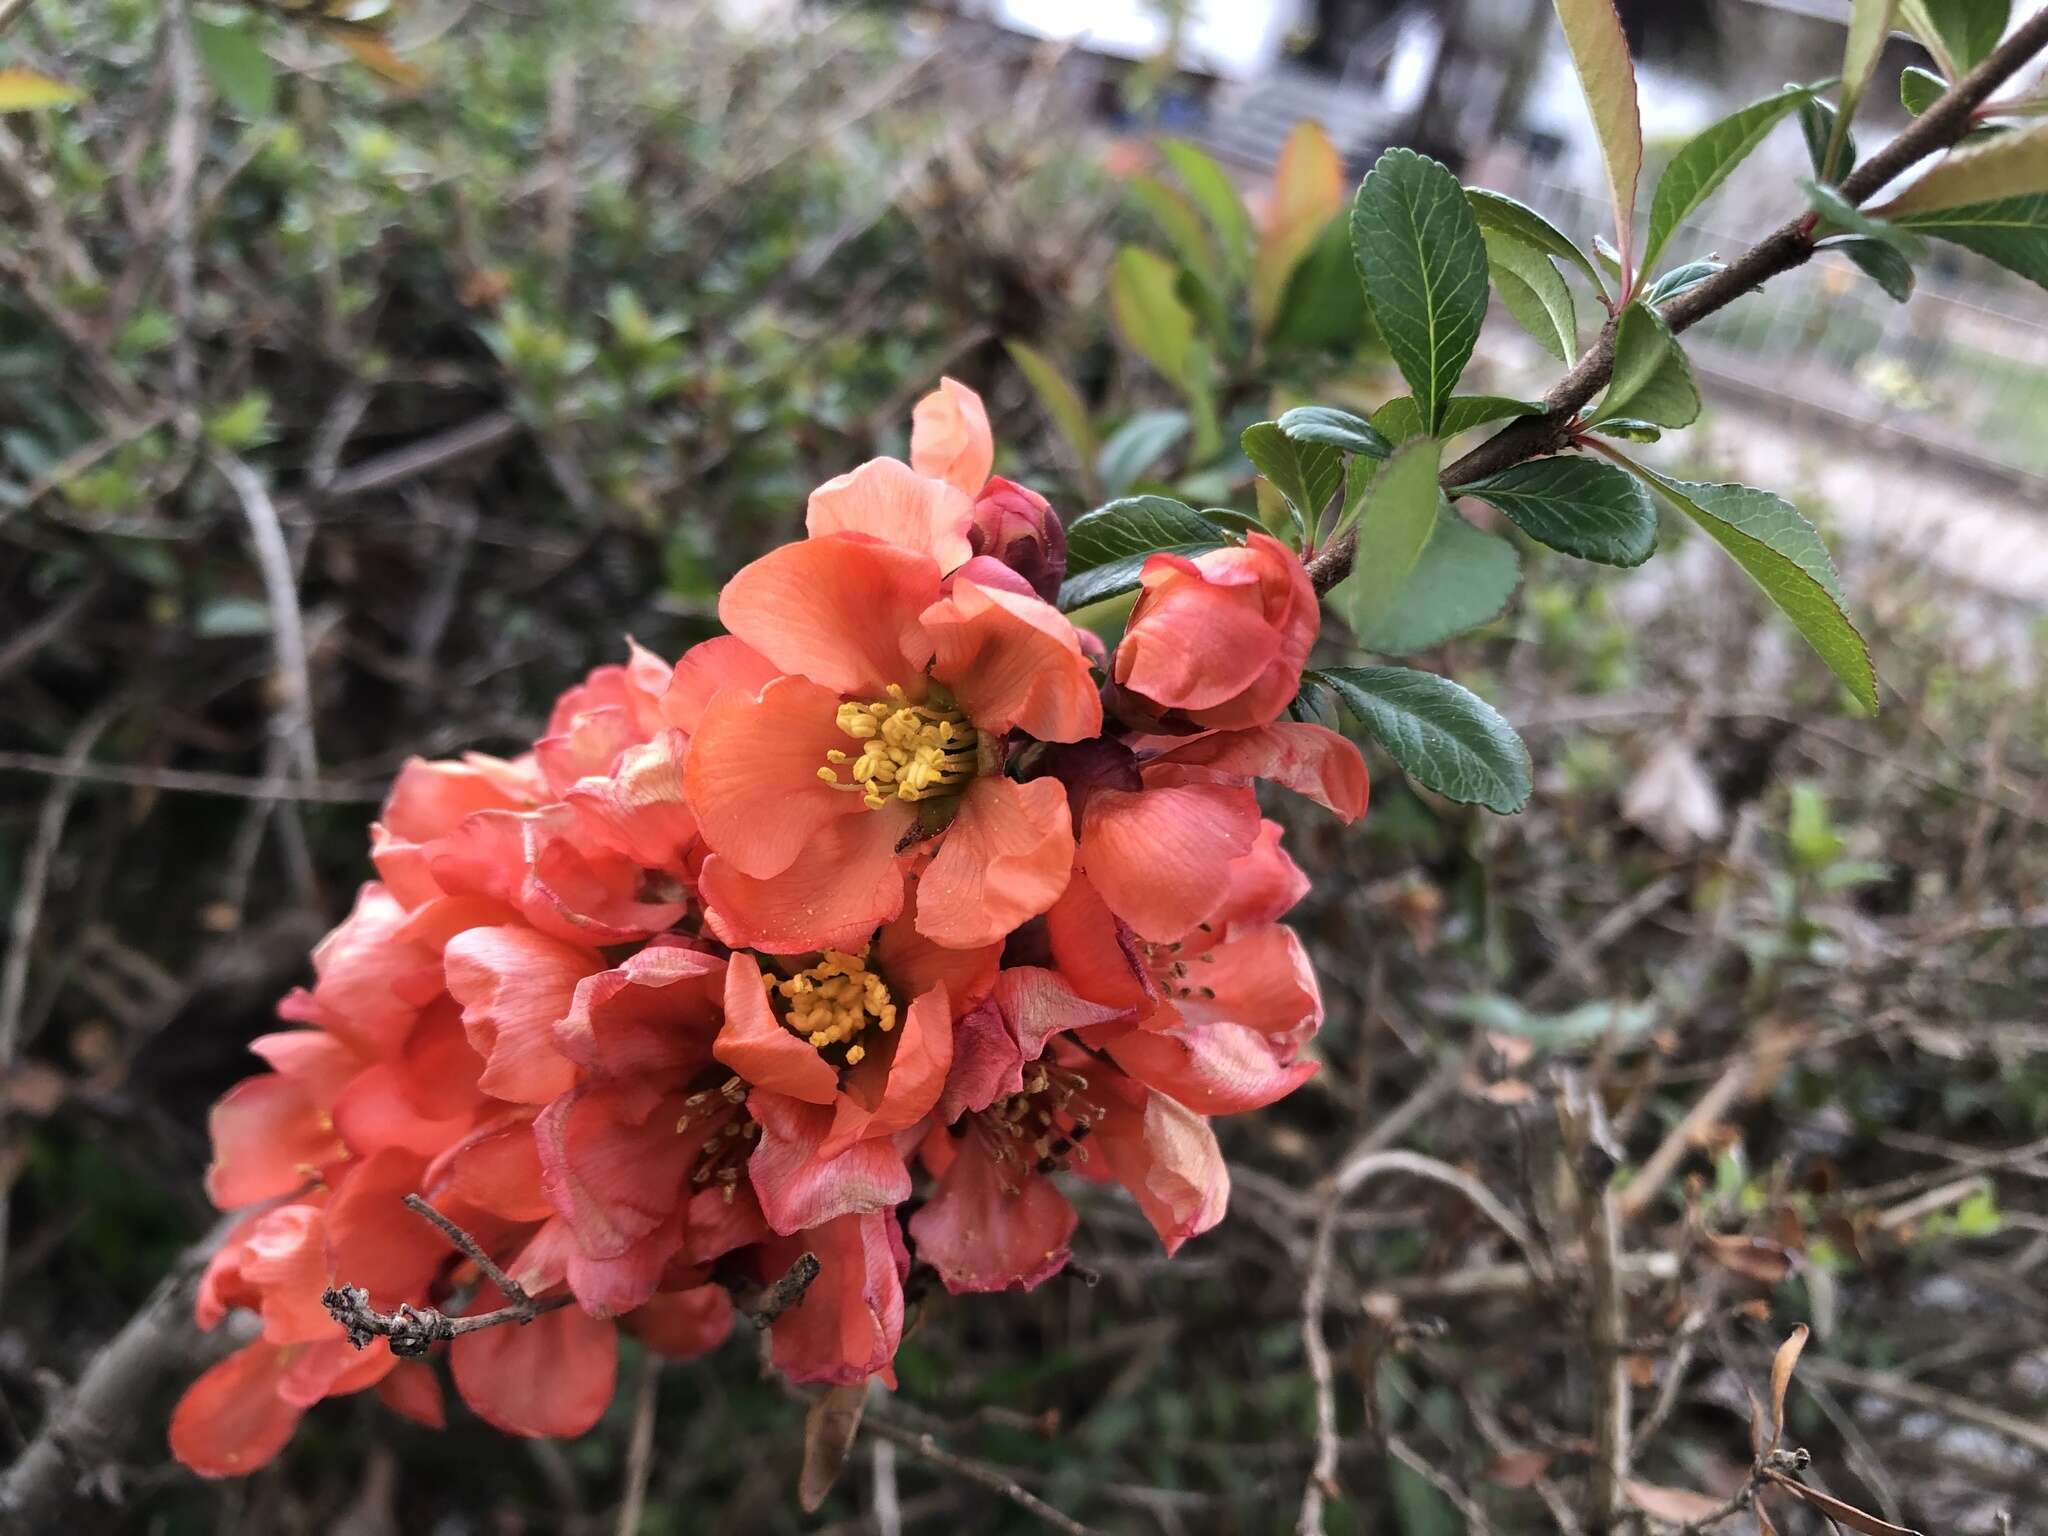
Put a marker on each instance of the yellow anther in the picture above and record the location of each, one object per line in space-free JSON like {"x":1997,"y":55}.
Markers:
{"x":835,"y":1000}
{"x":908,"y":752}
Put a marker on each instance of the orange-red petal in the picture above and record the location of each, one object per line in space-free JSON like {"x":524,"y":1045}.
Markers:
{"x":552,"y":1377}
{"x":950,"y":439}
{"x":1004,"y":860}
{"x":841,"y":610}
{"x":752,"y":774}
{"x":888,"y":500}
{"x":1014,"y":663}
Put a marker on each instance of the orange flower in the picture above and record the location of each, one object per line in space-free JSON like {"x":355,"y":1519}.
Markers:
{"x":887,"y":723}
{"x":1220,"y":638}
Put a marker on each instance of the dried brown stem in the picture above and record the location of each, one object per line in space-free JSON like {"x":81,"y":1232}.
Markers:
{"x":1788,"y":246}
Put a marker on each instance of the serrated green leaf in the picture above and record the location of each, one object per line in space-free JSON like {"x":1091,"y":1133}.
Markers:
{"x":1599,"y":52}
{"x":2012,"y":165}
{"x":1107,"y":548}
{"x":1464,"y":579}
{"x":1178,"y":219}
{"x":1399,"y":419}
{"x":1149,"y":314}
{"x":1136,"y":525}
{"x":1060,"y":401}
{"x":2013,"y":233}
{"x":1652,"y":380}
{"x":1957,"y":32}
{"x":1498,"y":211}
{"x":22,"y":90}
{"x":1696,"y":170}
{"x":1445,"y":737}
{"x":1399,"y":515}
{"x":1339,"y":429}
{"x":1577,"y":506}
{"x":1884,"y":264}
{"x":1784,"y":555}
{"x":1533,"y":292}
{"x":1678,"y":279}
{"x":1135,"y":448}
{"x":1423,"y":262}
{"x":238,"y":67}
{"x":1216,"y":195}
{"x":1920,"y":88}
{"x":1307,"y":474}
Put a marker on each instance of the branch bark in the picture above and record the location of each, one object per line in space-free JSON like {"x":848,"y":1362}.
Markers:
{"x":1786,"y":247}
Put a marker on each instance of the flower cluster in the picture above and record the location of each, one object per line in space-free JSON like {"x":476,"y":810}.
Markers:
{"x":903,"y":874}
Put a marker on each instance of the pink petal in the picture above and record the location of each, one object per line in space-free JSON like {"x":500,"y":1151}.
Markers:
{"x":1004,"y":860}
{"x":841,"y":610}
{"x":950,"y":439}
{"x":886,"y":499}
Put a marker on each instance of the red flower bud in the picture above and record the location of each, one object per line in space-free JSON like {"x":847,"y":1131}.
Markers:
{"x":1018,"y":526}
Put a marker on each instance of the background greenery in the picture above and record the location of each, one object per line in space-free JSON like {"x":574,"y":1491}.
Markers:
{"x":637,"y":281}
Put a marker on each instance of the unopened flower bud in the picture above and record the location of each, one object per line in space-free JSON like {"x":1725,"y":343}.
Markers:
{"x":1018,"y":526}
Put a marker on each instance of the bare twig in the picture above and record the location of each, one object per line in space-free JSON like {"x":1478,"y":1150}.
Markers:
{"x":281,"y":592}
{"x":28,"y":904}
{"x":778,"y":1298}
{"x":235,"y":786}
{"x":88,"y":1428}
{"x":927,"y":1448}
{"x":1589,"y":1170}
{"x":181,"y":156}
{"x":640,"y":1447}
{"x":1647,"y":1183}
{"x":1940,"y":126}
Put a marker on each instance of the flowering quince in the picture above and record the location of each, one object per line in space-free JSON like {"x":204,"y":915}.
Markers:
{"x":866,"y":892}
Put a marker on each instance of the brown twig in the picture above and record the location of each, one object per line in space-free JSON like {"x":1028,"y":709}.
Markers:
{"x":778,"y":1297}
{"x":235,"y":786}
{"x":640,"y":1447}
{"x":927,"y":1448}
{"x":1786,"y":247}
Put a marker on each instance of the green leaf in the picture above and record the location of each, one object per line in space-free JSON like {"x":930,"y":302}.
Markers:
{"x":1420,"y":254}
{"x":1651,"y":381}
{"x":2013,"y":233}
{"x":1534,"y":293}
{"x":1061,"y":401}
{"x":1182,"y":225}
{"x":1135,"y":448}
{"x":1839,"y":213}
{"x":1463,"y":580}
{"x":1215,"y":194}
{"x":1599,"y":50}
{"x":1884,"y":264}
{"x":1817,"y":123}
{"x":1340,"y":429}
{"x":1107,"y":548}
{"x":1306,"y":194}
{"x":1399,"y":419}
{"x":1306,"y":473}
{"x":1920,"y":89}
{"x":2012,"y":165}
{"x":1784,"y":555}
{"x":1696,"y":170}
{"x":1586,"y":1024}
{"x":238,"y":67}
{"x":1630,"y":430}
{"x":1400,"y":514}
{"x":224,"y":617}
{"x":1957,"y":32}
{"x":24,"y":89}
{"x":1323,"y":308}
{"x":1445,"y":737}
{"x":1498,"y":211}
{"x":1870,"y":23}
{"x":1150,"y":316}
{"x":1578,"y":506}
{"x":1678,"y":279}
{"x":1136,"y":525}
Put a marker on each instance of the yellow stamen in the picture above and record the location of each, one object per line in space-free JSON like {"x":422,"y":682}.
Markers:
{"x":835,"y":1000}
{"x":909,"y":751}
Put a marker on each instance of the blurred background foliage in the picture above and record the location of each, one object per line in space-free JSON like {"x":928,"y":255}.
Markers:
{"x":533,"y":330}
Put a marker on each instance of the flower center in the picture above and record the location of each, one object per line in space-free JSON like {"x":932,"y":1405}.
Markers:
{"x":834,"y":1001}
{"x":729,"y":1135}
{"x":1041,"y":1128}
{"x":1169,"y":966}
{"x":908,"y":752}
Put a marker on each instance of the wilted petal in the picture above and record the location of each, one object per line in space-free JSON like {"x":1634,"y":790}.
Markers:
{"x":988,"y":1227}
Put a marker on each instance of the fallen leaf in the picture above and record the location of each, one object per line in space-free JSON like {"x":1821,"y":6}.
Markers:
{"x":1756,"y":1258}
{"x":829,"y":1428}
{"x":1677,"y":1505}
{"x":1518,"y":1469}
